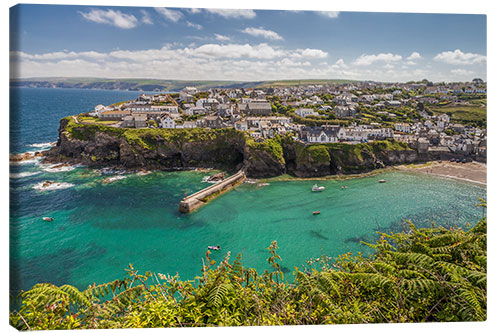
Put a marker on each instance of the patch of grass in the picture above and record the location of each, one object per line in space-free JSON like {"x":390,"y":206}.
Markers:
{"x":463,"y":113}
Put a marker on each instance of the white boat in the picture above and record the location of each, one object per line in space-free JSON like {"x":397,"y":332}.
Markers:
{"x":382,"y":181}
{"x":48,"y":219}
{"x":317,"y":188}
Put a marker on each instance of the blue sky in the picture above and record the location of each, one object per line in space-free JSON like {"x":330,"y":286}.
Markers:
{"x":177,"y":43}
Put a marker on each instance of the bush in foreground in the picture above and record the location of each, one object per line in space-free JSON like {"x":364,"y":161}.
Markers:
{"x":420,"y":275}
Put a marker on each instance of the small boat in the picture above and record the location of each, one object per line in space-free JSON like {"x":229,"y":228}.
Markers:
{"x":344,"y":187}
{"x":382,"y":181}
{"x":215,"y":248}
{"x":48,"y":219}
{"x":316,"y":212}
{"x":317,"y":188}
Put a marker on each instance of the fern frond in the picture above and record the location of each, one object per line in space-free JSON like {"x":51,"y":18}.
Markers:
{"x":75,"y":295}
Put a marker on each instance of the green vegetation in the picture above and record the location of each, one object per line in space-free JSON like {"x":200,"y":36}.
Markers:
{"x":309,"y":121}
{"x":272,"y":146}
{"x":316,"y":154}
{"x":418,"y":275}
{"x":475,"y":113}
{"x":148,"y":138}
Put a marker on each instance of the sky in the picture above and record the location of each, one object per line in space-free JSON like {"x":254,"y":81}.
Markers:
{"x":245,"y":44}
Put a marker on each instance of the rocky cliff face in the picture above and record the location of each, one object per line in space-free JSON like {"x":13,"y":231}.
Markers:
{"x":226,"y":149}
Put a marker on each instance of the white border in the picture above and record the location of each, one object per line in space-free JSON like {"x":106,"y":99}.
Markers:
{"x":421,"y":6}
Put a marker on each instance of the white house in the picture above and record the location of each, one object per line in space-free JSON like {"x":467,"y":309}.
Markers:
{"x":167,"y":122}
{"x":402,"y":127}
{"x":241,"y":125}
{"x":322,"y":134}
{"x":306,"y":112}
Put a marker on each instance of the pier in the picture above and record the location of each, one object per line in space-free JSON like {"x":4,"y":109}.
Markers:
{"x":198,"y":199}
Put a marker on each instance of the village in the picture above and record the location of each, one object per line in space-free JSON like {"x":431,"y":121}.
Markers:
{"x":420,"y":114}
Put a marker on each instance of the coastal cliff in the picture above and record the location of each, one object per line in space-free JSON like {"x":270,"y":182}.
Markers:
{"x":228,"y":149}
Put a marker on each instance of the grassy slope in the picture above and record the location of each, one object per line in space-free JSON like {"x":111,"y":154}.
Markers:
{"x":473,"y":112}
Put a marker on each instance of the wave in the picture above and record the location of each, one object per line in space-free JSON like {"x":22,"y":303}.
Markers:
{"x":57,"y":167}
{"x":112,"y":179}
{"x":50,"y":186}
{"x":23,"y":174}
{"x":33,"y":160}
{"x":42,"y":145}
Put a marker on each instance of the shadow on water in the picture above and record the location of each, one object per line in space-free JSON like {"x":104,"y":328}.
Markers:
{"x":358,"y":239}
{"x":318,"y":235}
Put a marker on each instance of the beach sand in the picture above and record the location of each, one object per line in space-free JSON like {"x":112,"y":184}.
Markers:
{"x":474,"y":172}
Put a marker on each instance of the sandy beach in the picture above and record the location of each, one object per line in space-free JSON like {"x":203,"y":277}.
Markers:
{"x":474,"y":172}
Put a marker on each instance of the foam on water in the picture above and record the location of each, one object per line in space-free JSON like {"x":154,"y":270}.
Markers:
{"x":42,"y":145}
{"x":45,"y":186}
{"x":24,"y":174}
{"x":113,"y":179}
{"x":57,"y":168}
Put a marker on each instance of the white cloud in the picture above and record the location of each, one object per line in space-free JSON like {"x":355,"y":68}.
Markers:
{"x":329,"y":14}
{"x":233,"y":13}
{"x":368,"y":59}
{"x":260,"y":32}
{"x":222,"y":37}
{"x":414,"y":56}
{"x":220,"y":62}
{"x":169,"y":14}
{"x":260,"y":51}
{"x":458,"y":57}
{"x":146,"y":18}
{"x":194,"y":25}
{"x":310,"y":53}
{"x":111,"y":17}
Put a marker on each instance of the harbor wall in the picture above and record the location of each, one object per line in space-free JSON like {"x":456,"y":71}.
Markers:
{"x":198,"y":199}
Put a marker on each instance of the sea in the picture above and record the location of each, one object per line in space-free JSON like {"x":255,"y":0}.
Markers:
{"x":104,"y":220}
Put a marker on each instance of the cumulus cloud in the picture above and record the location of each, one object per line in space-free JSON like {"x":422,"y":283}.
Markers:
{"x":169,"y":14}
{"x":414,"y":56}
{"x":112,"y":17}
{"x":330,"y":14}
{"x":310,"y":53}
{"x":368,"y":59}
{"x":458,"y":57}
{"x":146,"y":18}
{"x":222,"y":37}
{"x":214,"y":61}
{"x":260,"y":32}
{"x":194,"y":25}
{"x":233,"y":13}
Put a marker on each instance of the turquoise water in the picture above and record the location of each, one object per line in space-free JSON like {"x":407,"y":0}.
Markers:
{"x":99,"y":228}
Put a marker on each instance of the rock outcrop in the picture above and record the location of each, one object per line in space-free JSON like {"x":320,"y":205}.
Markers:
{"x":226,"y":149}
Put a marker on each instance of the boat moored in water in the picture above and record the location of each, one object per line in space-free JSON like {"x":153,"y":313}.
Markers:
{"x":215,"y":248}
{"x":316,"y":212}
{"x":382,"y":181}
{"x":317,"y":188}
{"x":48,"y":219}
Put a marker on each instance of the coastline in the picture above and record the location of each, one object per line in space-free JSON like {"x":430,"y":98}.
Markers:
{"x":472,"y":172}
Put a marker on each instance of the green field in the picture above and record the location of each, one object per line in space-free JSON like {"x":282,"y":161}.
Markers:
{"x":474,"y":112}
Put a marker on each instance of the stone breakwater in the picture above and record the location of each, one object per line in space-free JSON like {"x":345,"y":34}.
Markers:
{"x":198,"y":199}
{"x":226,"y":149}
